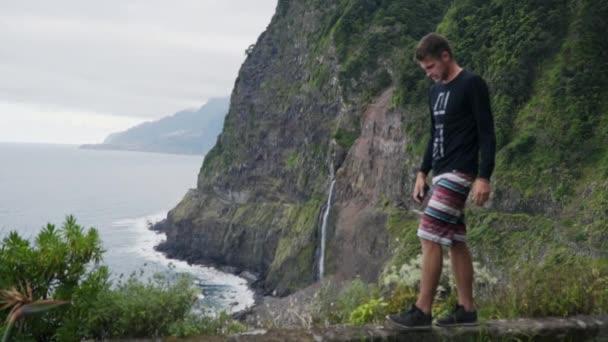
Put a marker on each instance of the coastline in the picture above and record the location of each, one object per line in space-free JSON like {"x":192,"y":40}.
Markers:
{"x":125,"y":148}
{"x":253,"y":280}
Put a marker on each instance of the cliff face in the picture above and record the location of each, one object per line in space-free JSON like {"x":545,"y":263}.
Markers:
{"x":262,"y":186}
{"x":330,"y":91}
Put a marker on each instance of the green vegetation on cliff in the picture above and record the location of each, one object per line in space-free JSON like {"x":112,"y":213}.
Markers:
{"x":545,"y":63}
{"x":565,"y":285}
{"x":295,"y":252}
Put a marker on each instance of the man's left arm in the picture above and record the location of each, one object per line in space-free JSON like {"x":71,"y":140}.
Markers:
{"x":482,"y":111}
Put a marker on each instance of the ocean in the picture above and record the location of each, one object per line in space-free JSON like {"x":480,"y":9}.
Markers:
{"x":120,"y":194}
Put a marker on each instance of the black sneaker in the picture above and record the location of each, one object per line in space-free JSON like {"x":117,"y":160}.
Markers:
{"x":413,"y":319}
{"x":458,"y":317}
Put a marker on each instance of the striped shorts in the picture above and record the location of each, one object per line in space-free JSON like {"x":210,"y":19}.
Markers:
{"x":443,"y":218}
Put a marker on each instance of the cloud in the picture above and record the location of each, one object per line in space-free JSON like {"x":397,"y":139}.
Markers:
{"x":34,"y":124}
{"x":142,"y":59}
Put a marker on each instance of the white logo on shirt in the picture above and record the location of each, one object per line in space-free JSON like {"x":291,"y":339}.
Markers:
{"x":439,"y":109}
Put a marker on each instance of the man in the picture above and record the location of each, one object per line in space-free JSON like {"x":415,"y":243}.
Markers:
{"x":460,"y":152}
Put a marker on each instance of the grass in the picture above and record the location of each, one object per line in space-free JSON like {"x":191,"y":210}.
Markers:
{"x":345,"y":138}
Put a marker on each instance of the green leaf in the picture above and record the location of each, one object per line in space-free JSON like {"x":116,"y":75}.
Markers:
{"x":38,"y":306}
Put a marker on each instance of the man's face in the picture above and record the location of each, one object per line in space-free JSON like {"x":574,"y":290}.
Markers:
{"x":436,"y":69}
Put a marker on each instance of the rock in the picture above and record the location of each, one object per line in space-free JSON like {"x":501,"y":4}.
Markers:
{"x":249,"y":276}
{"x":228,"y":269}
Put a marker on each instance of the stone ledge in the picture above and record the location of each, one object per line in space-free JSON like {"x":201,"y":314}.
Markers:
{"x":575,"y":328}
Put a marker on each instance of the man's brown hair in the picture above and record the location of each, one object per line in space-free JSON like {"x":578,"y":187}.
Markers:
{"x":432,"y":45}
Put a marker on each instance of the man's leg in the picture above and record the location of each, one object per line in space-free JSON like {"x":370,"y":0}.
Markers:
{"x":419,"y":316}
{"x":462,"y":267}
{"x":431,"y":272}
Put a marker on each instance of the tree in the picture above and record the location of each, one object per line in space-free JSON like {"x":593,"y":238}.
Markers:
{"x":54,"y":266}
{"x":249,"y":49}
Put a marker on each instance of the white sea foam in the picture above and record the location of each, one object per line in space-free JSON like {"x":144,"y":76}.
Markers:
{"x":220,"y":289}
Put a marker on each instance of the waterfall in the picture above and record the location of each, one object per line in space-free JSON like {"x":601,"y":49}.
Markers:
{"x":324,"y":227}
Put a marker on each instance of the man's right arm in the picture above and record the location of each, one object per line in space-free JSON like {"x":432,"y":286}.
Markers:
{"x":427,"y":159}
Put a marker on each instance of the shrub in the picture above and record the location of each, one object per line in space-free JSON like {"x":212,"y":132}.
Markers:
{"x":194,"y":324}
{"x":345,"y":138}
{"x":335,"y":305}
{"x":560,"y":287}
{"x":374,"y":309}
{"x":401,"y":297}
{"x":403,"y":284}
{"x":409,"y":275}
{"x":64,"y":264}
{"x":55,"y":265}
{"x":134,"y":309}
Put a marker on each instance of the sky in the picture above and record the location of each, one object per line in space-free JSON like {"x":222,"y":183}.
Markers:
{"x":73,"y":71}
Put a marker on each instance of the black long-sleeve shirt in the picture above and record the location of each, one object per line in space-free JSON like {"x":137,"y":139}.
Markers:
{"x":462,"y":127}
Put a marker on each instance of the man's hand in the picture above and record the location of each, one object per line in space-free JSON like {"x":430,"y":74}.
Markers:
{"x":481,"y":191}
{"x":419,"y":187}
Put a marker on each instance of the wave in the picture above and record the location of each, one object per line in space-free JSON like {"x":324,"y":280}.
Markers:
{"x":221,"y":290}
